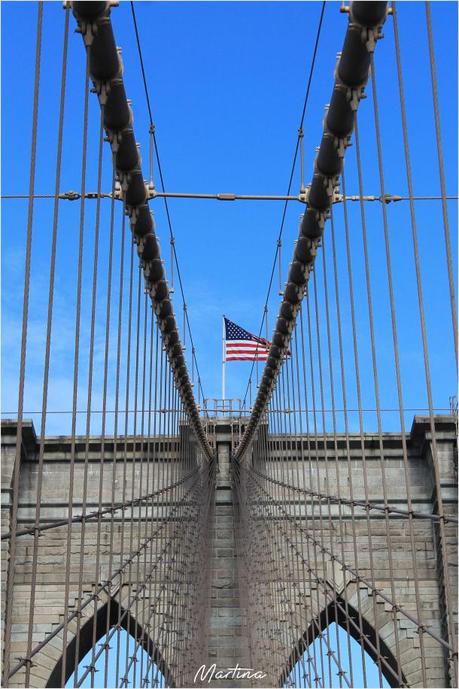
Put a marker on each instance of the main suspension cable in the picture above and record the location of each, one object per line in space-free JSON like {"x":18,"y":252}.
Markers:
{"x":290,"y":182}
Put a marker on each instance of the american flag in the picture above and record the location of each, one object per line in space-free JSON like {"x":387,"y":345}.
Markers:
{"x":240,"y":345}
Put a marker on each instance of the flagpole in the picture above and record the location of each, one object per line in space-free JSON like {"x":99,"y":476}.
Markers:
{"x":223,"y":357}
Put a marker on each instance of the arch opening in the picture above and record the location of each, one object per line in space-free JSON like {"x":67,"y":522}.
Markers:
{"x":126,"y":654}
{"x":332,"y":653}
{"x":126,"y":664}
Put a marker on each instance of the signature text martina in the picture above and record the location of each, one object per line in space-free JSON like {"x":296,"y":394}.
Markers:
{"x":209,"y":673}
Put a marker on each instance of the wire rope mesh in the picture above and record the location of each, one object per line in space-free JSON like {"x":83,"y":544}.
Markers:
{"x":332,"y":486}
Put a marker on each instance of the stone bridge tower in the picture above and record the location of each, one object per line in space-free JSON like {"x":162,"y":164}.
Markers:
{"x":232,"y":637}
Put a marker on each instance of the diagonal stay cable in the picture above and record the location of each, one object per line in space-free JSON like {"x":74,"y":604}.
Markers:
{"x":96,"y":514}
{"x":378,"y":591}
{"x":364,"y":504}
{"x":292,"y":172}
{"x":163,"y":189}
{"x":105,"y":585}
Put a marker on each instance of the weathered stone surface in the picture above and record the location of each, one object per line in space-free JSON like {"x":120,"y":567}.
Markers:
{"x":229,"y":639}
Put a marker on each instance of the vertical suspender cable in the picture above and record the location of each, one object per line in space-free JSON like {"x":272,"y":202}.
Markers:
{"x":22,"y":366}
{"x":48,"y":343}
{"x":441,"y":171}
{"x":435,"y":456}
{"x":75,"y":372}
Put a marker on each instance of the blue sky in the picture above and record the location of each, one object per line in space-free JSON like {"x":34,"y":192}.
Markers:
{"x":334,"y":635}
{"x":227,"y":83}
{"x":126,"y":645}
{"x":364,"y":672}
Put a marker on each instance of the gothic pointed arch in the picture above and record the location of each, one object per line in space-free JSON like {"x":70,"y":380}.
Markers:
{"x":113,"y":612}
{"x":335,"y":612}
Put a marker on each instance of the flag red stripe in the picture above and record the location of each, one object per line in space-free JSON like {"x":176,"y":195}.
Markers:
{"x":246,"y":358}
{"x":247,"y":349}
{"x":246,"y":342}
{"x":254,"y":345}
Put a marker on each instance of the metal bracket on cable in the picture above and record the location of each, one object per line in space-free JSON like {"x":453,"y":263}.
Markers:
{"x":301,"y":146}
{"x":279,"y":249}
{"x":70,"y":195}
{"x":151,"y":133}
{"x":75,"y":195}
{"x":386,"y":198}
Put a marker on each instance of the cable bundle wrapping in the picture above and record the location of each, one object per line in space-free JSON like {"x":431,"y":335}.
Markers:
{"x":106,"y":72}
{"x":351,"y":75}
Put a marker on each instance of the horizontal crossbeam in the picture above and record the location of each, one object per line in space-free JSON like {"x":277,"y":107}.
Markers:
{"x":339,"y":198}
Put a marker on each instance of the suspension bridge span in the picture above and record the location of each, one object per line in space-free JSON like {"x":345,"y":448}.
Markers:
{"x":305,"y":536}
